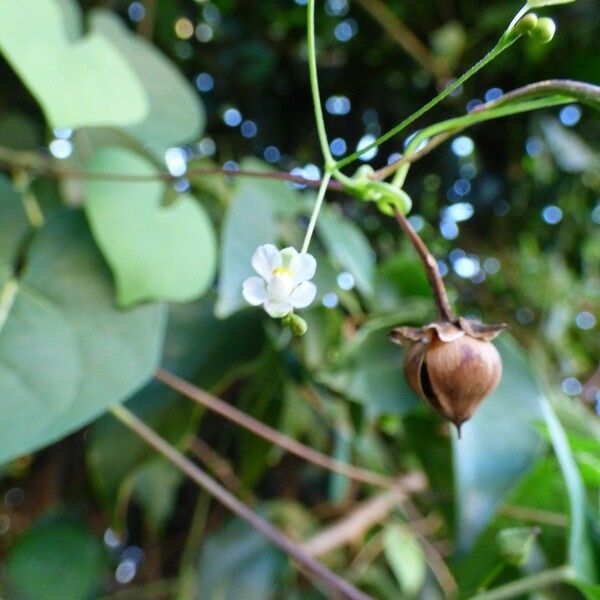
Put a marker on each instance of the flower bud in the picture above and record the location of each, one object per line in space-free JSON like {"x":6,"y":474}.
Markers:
{"x":515,"y":544}
{"x":297,"y":324}
{"x":451,"y":365}
{"x":527,"y":24}
{"x":544,"y":30}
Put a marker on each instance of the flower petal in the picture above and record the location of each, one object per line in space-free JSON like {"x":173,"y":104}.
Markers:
{"x":280,"y":287}
{"x":277,"y":310}
{"x":254,"y":290}
{"x":303,"y":295}
{"x":303,"y":267}
{"x":265,"y":259}
{"x":287,"y":254}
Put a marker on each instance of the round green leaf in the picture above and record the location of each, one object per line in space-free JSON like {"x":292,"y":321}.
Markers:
{"x":176,"y":114}
{"x":66,"y":352}
{"x":83,"y":82}
{"x":156,"y":252}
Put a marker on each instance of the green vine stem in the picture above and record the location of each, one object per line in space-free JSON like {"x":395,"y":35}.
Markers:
{"x":458,"y":124}
{"x":336,"y":584}
{"x":314,"y":87}
{"x":315,"y":213}
{"x":502,"y":45}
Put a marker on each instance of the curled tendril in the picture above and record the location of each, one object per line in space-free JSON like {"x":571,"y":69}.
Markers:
{"x":389,"y":199}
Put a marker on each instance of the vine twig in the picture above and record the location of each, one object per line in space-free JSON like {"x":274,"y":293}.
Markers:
{"x":312,"y":566}
{"x":431,"y":268}
{"x":36,"y":163}
{"x":283,"y":441}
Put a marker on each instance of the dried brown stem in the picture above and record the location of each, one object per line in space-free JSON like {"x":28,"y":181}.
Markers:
{"x":372,"y":512}
{"x":432,"y":144}
{"x":145,"y":27}
{"x":445,"y":312}
{"x":283,"y":441}
{"x":35,"y":163}
{"x":353,"y":525}
{"x":336,"y":584}
{"x":217,"y":464}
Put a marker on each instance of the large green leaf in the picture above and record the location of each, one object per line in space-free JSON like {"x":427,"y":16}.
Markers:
{"x":176,"y":114}
{"x":156,"y":252}
{"x":579,"y":550}
{"x":498,"y":444}
{"x":250,"y":222}
{"x":66,"y":352}
{"x":369,"y":371}
{"x":56,"y":558}
{"x":82,"y":82}
{"x":349,"y":247}
{"x":238,"y":562}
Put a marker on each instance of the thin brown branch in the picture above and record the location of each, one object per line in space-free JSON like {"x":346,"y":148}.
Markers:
{"x":145,"y":27}
{"x":336,"y":584}
{"x":217,"y":464}
{"x":39,"y":164}
{"x":374,"y":511}
{"x":400,"y":33}
{"x":591,"y":388}
{"x":432,"y":144}
{"x":352,"y":526}
{"x":431,"y":268}
{"x":279,"y":439}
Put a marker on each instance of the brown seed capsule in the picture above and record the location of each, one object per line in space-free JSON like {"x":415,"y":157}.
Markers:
{"x":451,"y":365}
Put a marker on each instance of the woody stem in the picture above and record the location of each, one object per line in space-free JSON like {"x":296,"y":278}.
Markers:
{"x":431,"y":269}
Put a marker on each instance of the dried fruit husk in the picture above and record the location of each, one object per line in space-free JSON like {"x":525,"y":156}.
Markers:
{"x":451,"y":364}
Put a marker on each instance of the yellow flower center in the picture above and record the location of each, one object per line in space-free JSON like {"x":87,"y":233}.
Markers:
{"x":282,"y":271}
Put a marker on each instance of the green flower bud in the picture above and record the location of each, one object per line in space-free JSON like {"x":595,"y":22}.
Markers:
{"x":296,"y":324}
{"x":516,"y":543}
{"x":544,"y":30}
{"x":527,"y":24}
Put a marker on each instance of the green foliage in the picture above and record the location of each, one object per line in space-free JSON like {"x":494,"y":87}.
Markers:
{"x":83,"y":325}
{"x":367,"y":371}
{"x":79,"y":82}
{"x":56,"y":558}
{"x":66,"y":351}
{"x":541,"y":3}
{"x":238,"y":562}
{"x":405,"y":557}
{"x":349,"y":248}
{"x":175,"y":114}
{"x":498,"y":444}
{"x":179,"y":263}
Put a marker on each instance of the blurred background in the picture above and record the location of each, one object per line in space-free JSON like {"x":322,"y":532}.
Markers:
{"x":511,"y":209}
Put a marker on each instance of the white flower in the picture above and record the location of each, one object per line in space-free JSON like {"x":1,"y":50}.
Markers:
{"x":284,"y":280}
